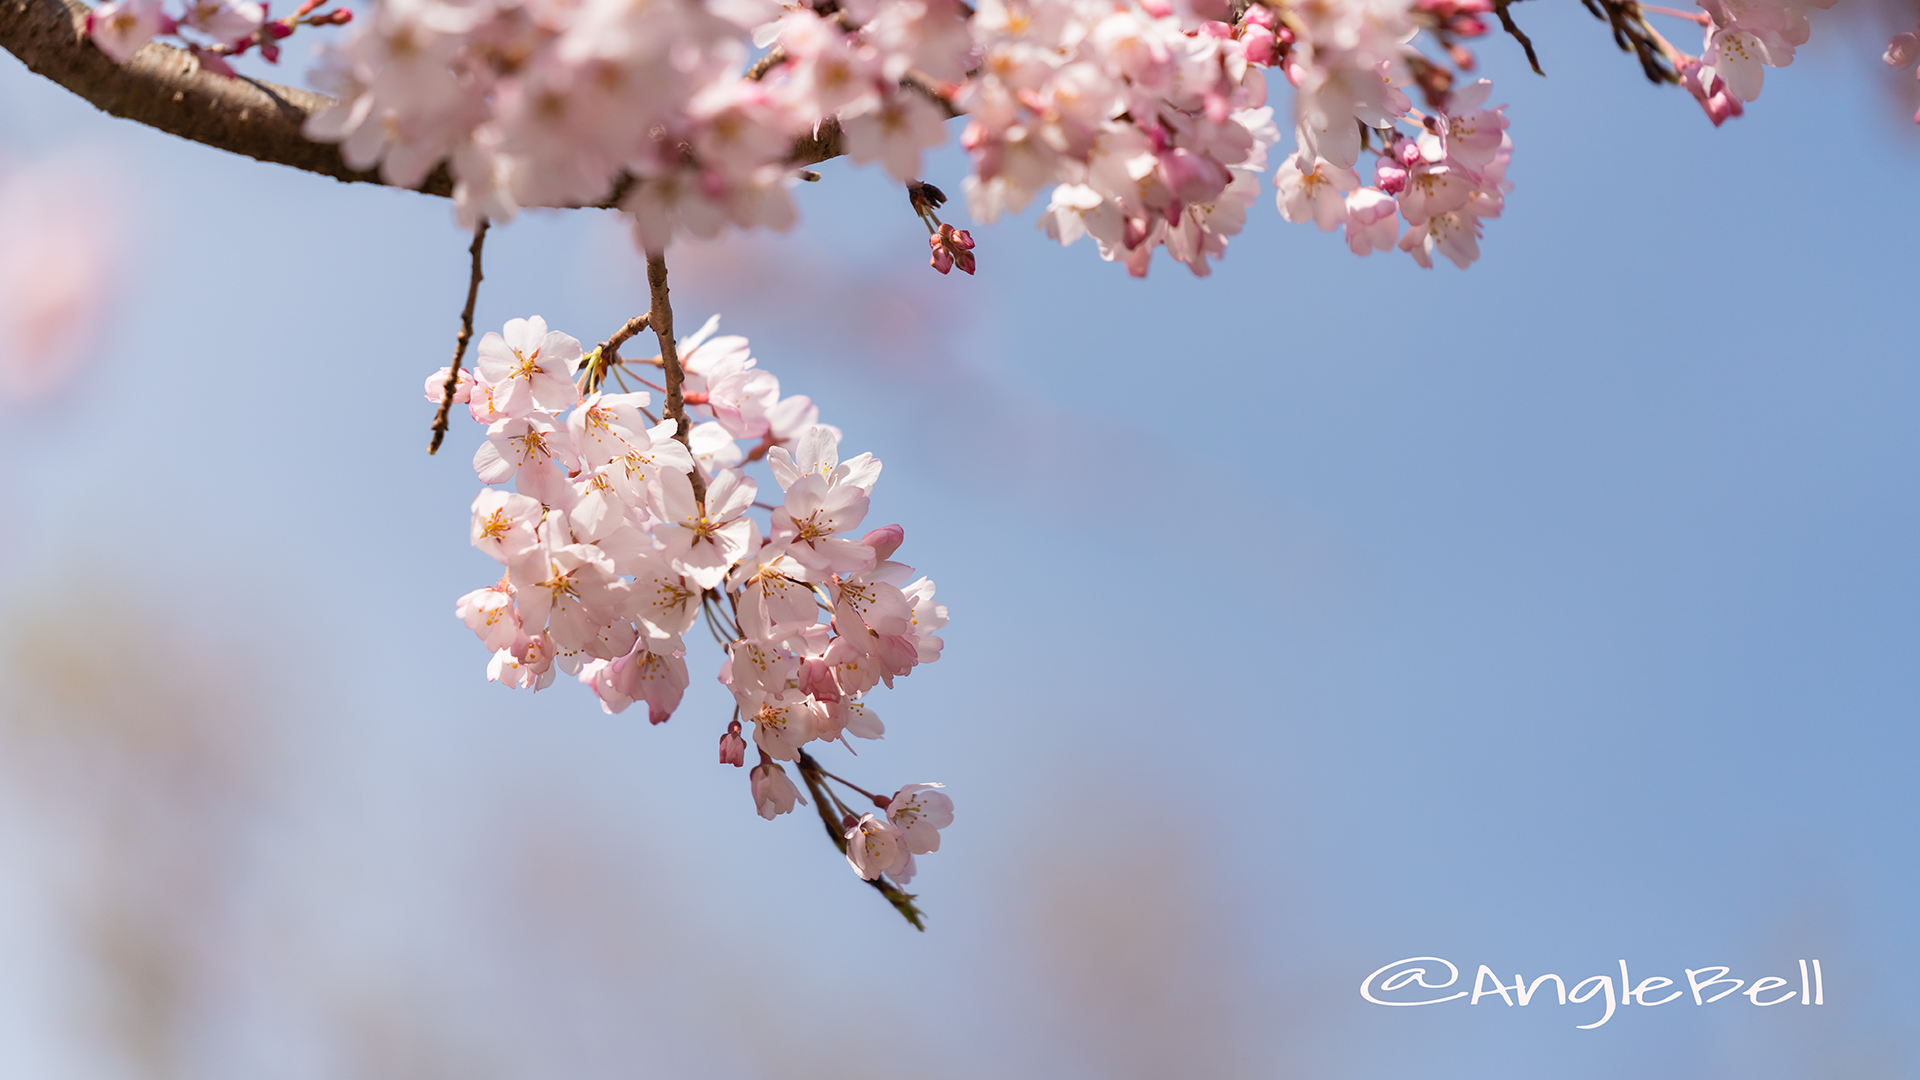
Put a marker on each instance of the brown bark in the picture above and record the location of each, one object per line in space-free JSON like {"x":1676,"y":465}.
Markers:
{"x":164,"y":88}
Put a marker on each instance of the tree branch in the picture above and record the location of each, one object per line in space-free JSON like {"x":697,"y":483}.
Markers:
{"x":459,"y":341}
{"x":1513,"y":29}
{"x":607,"y":354}
{"x":675,"y":408}
{"x":166,"y":89}
{"x":902,"y":901}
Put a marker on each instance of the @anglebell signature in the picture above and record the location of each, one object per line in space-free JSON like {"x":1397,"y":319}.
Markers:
{"x":1412,"y":982}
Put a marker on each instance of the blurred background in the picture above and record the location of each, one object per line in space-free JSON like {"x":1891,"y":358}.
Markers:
{"x":1318,"y":614}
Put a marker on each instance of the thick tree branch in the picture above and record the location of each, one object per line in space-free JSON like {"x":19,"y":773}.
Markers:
{"x":165,"y":88}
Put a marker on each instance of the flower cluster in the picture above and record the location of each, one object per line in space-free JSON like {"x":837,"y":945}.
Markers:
{"x":536,"y":103}
{"x":212,"y":30}
{"x":1146,"y":120}
{"x":1149,"y":122}
{"x":1443,"y":182}
{"x":618,"y":535}
{"x":1745,"y":35}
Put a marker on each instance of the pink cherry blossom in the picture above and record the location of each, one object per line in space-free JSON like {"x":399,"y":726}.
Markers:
{"x":489,"y":613}
{"x":703,"y":539}
{"x":653,"y":672}
{"x":875,"y":846}
{"x":611,"y":557}
{"x":782,"y":725}
{"x":1371,"y":222}
{"x":534,"y":367}
{"x":920,"y":812}
{"x":895,"y":129}
{"x":522,"y":442}
{"x":773,"y":791}
{"x":119,"y":28}
{"x":608,"y":427}
{"x":1316,"y":194}
{"x":505,"y":524}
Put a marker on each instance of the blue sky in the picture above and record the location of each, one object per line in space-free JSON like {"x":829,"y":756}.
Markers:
{"x":1314,"y":615}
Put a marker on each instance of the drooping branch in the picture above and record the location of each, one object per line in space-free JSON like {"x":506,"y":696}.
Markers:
{"x":1513,"y":30}
{"x":1632,"y":34}
{"x":815,"y":778}
{"x":166,"y":89}
{"x":460,"y":340}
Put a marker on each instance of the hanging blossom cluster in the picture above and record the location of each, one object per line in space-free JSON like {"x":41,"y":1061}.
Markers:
{"x":1150,"y":125}
{"x":1742,"y":39}
{"x":616,"y":537}
{"x":1444,"y":176}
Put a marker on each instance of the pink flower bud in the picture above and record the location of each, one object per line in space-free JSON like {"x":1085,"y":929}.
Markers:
{"x":885,"y":540}
{"x":733,"y":748}
{"x":1902,"y":50}
{"x":1194,"y":178}
{"x":1389,"y":177}
{"x":818,"y":680}
{"x":1259,"y":45}
{"x":951,"y":247}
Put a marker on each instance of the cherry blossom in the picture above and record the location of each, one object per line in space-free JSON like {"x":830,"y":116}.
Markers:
{"x":876,"y":846}
{"x":618,"y":540}
{"x":920,"y":812}
{"x":1147,"y":123}
{"x":773,"y":790}
{"x":121,"y":27}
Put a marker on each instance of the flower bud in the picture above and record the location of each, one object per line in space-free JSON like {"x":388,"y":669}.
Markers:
{"x":885,"y":540}
{"x":733,"y":748}
{"x":1902,"y":50}
{"x":1259,"y":45}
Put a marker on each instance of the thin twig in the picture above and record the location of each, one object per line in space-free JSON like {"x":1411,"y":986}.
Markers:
{"x":902,"y":901}
{"x":850,"y":784}
{"x":460,"y":341}
{"x":608,"y":354}
{"x":1632,"y":34}
{"x":662,"y":320}
{"x":1513,"y":29}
